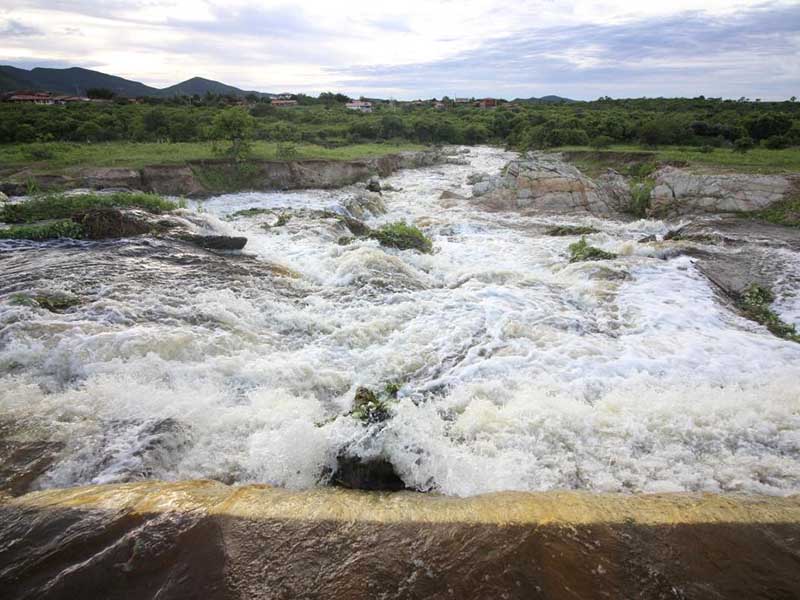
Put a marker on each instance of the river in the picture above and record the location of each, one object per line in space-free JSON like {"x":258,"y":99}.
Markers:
{"x":518,"y":369}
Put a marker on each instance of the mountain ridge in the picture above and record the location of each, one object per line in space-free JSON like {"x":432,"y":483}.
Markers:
{"x":77,"y":80}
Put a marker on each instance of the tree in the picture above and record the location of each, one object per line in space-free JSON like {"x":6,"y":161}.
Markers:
{"x":236,"y":126}
{"x":100,"y":93}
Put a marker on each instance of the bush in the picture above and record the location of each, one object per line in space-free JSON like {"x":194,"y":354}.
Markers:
{"x":601,"y":141}
{"x":778,"y":142}
{"x":285,"y":152}
{"x":743,"y":144}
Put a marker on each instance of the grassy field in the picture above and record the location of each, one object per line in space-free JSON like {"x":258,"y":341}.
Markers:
{"x":60,"y":156}
{"x":759,"y":160}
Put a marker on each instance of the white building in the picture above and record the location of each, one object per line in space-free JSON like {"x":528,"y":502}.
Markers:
{"x":360,"y":105}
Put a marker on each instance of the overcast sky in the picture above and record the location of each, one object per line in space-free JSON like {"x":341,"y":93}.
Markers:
{"x":423,"y":48}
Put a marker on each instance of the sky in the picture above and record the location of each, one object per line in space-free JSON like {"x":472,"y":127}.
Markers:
{"x":423,"y":48}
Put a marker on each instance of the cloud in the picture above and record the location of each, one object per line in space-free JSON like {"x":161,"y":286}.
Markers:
{"x":12,"y":28}
{"x":424,"y":48}
{"x":751,"y":53}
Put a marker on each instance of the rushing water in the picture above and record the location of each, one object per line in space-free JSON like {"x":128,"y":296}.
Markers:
{"x":519,"y":370}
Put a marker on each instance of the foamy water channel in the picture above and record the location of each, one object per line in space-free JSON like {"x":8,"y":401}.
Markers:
{"x":519,"y":370}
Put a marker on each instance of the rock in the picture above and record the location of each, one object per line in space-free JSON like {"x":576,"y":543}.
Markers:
{"x":356,"y":227}
{"x":541,"y":182}
{"x":111,"y":177}
{"x":104,"y":223}
{"x":374,"y":185}
{"x":3,"y":197}
{"x":365,"y":204}
{"x":648,"y":239}
{"x":215,"y":242}
{"x":371,"y":474}
{"x":204,"y":539}
{"x":450,"y":195}
{"x":474,"y":178}
{"x":680,"y":192}
{"x":171,"y":180}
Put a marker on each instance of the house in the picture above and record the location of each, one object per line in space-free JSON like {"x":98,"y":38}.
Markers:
{"x":26,"y":97}
{"x":69,"y":99}
{"x":360,"y":105}
{"x":279,"y":102}
{"x":487,"y":103}
{"x":440,"y":106}
{"x":462,"y":100}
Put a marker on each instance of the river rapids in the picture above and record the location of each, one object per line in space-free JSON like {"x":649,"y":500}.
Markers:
{"x":518,"y":369}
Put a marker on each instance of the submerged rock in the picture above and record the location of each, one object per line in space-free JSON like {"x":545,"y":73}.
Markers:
{"x":216,"y":242}
{"x":203,"y":539}
{"x":375,"y":474}
{"x":374,"y":185}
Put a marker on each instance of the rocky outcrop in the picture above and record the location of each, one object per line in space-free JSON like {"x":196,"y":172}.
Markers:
{"x":189,"y":179}
{"x":171,"y":180}
{"x":540,"y":183}
{"x":679,"y":192}
{"x":205,"y":539}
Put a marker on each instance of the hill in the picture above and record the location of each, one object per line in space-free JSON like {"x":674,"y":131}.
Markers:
{"x":76,"y":80}
{"x":545,"y":100}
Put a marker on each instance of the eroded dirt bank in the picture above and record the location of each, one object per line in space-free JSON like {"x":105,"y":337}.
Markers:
{"x":205,"y":177}
{"x":205,"y":539}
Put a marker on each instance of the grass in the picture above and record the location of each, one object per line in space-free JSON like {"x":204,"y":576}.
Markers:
{"x":60,"y":206}
{"x":45,"y":231}
{"x":758,"y":160}
{"x":402,"y":236}
{"x":786,"y":212}
{"x":581,"y":251}
{"x":755,"y":305}
{"x":64,"y":156}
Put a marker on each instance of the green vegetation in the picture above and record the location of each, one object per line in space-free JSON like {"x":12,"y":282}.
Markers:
{"x":755,"y":305}
{"x":64,"y":156}
{"x":44,"y":231}
{"x":402,"y":236}
{"x":61,"y":206}
{"x":786,"y":212}
{"x":368,"y":408}
{"x":581,"y":251}
{"x":564,"y":230}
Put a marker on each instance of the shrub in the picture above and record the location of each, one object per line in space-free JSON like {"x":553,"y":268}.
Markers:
{"x":285,"y":152}
{"x":601,"y":141}
{"x":778,"y":142}
{"x":743,"y":144}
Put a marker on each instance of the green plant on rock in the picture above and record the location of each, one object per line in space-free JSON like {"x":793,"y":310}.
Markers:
{"x":403,"y":237}
{"x":581,"y":251}
{"x":61,"y":206}
{"x":754,"y":304}
{"x":368,"y":408}
{"x":45,"y":231}
{"x":640,"y":197}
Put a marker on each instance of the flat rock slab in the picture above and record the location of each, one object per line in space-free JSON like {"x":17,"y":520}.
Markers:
{"x":205,"y":539}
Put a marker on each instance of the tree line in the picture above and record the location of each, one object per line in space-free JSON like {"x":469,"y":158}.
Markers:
{"x":699,"y":122}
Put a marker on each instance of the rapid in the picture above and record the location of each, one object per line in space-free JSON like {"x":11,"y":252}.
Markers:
{"x":518,"y":370}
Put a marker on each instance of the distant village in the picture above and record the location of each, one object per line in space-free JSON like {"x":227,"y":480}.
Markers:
{"x":278,"y":101}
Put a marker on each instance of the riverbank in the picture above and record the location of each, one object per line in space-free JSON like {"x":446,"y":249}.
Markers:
{"x":186,"y":539}
{"x":193,"y":171}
